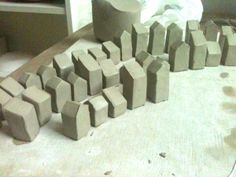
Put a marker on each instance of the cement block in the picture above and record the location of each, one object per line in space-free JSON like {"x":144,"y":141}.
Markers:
{"x":117,"y":104}
{"x":45,"y":73}
{"x":12,"y":87}
{"x":41,"y":101}
{"x":213,"y":53}
{"x":3,"y":45}
{"x":97,"y":54}
{"x":30,"y":79}
{"x":179,"y":57}
{"x":98,"y":108}
{"x":22,"y":119}
{"x":225,"y":30}
{"x":211,"y":31}
{"x":112,"y":51}
{"x":4,"y":99}
{"x":75,"y":120}
{"x":144,"y":59}
{"x":60,"y":92}
{"x":191,"y":25}
{"x":229,"y":51}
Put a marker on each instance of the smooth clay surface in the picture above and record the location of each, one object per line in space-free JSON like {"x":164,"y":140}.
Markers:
{"x":144,"y":59}
{"x":30,"y":79}
{"x":112,"y":51}
{"x":46,"y":73}
{"x":97,"y":54}
{"x":225,"y":30}
{"x":211,"y":30}
{"x":191,"y":25}
{"x":229,"y":51}
{"x":4,"y":99}
{"x":12,"y":87}
{"x":213,"y":53}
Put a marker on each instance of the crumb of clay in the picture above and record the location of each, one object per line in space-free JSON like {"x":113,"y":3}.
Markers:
{"x":173,"y":174}
{"x":149,"y":161}
{"x":108,"y":173}
{"x":163,"y":155}
{"x":224,"y":75}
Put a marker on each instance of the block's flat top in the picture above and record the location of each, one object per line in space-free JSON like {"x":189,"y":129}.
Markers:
{"x":156,"y":26}
{"x":98,"y":102}
{"x":108,"y":68}
{"x":73,"y":78}
{"x":110,"y":46}
{"x":71,"y":109}
{"x":36,"y":94}
{"x":198,"y":38}
{"x":12,"y":86}
{"x":155,"y":66}
{"x":231,"y":40}
{"x":114,"y":96}
{"x":193,"y":25}
{"x":4,"y":97}
{"x":78,"y":53}
{"x":141,"y":56}
{"x":226,"y":30}
{"x":55,"y":82}
{"x":179,"y":44}
{"x":134,"y":69}
{"x":46,"y":69}
{"x":88,"y":62}
{"x":174,"y":27}
{"x":213,"y":47}
{"x":140,"y":28}
{"x":62,"y":61}
{"x":97,"y":52}
{"x":125,"y":36}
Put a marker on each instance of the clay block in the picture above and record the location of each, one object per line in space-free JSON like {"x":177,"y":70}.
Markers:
{"x":117,"y":104}
{"x":41,"y":101}
{"x":91,"y":72}
{"x":225,"y":30}
{"x":60,"y":93}
{"x":75,"y":56}
{"x":12,"y":87}
{"x":158,"y":82}
{"x":98,"y":108}
{"x":211,"y":31}
{"x":120,"y":88}
{"x":229,"y":51}
{"x":45,"y":73}
{"x":134,"y":83}
{"x":174,"y":34}
{"x":63,"y":65}
{"x":3,"y":45}
{"x":144,"y":59}
{"x":22,"y":119}
{"x":111,"y":76}
{"x":4,"y":99}
{"x":157,"y":39}
{"x":213,"y":54}
{"x":76,"y":120}
{"x":30,"y":79}
{"x":191,"y":25}
{"x":179,"y":57}
{"x":79,"y":87}
{"x":97,"y":54}
{"x":112,"y":51}
{"x":198,"y":50}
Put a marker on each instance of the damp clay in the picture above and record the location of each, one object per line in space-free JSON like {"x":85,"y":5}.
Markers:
{"x":45,"y":73}
{"x":225,"y":30}
{"x":191,"y":25}
{"x":12,"y":87}
{"x":229,"y":51}
{"x":97,"y":54}
{"x":30,"y":79}
{"x":112,"y":51}
{"x":213,"y":53}
{"x":144,"y":59}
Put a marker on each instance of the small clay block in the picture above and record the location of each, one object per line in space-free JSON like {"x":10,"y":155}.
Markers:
{"x":211,"y":31}
{"x":191,"y":25}
{"x":63,"y":65}
{"x":174,"y":34}
{"x":22,"y":119}
{"x":79,"y":87}
{"x":179,"y":57}
{"x":45,"y":73}
{"x":139,"y":38}
{"x":134,"y":83}
{"x":60,"y":93}
{"x":157,"y":39}
{"x":111,"y":75}
{"x":98,"y":108}
{"x":112,"y":51}
{"x":75,"y":56}
{"x":229,"y":51}
{"x":41,"y":101}
{"x":91,"y":72}
{"x":120,"y":88}
{"x":4,"y":99}
{"x":158,"y":82}
{"x":75,"y":120}
{"x":30,"y":79}
{"x":198,"y":50}
{"x":117,"y":104}
{"x":213,"y":53}
{"x":97,"y":54}
{"x":12,"y":87}
{"x":225,"y":30}
{"x":144,"y":59}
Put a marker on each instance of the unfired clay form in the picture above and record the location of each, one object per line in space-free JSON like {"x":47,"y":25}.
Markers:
{"x":144,"y":59}
{"x":46,"y":73}
{"x":97,"y":54}
{"x":75,"y":56}
{"x":112,"y":51}
{"x":30,"y":79}
{"x":225,"y":30}
{"x":213,"y":53}
{"x":12,"y":87}
{"x":211,"y":31}
{"x":229,"y":51}
{"x":191,"y":25}
{"x":4,"y":99}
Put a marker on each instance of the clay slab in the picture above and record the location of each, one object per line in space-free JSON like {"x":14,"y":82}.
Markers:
{"x":30,"y":79}
{"x":112,"y":51}
{"x":191,"y":25}
{"x":211,"y":31}
{"x":225,"y":30}
{"x":229,"y":51}
{"x":12,"y":87}
{"x":45,"y":73}
{"x":4,"y":99}
{"x":144,"y":59}
{"x":97,"y":54}
{"x":213,"y":53}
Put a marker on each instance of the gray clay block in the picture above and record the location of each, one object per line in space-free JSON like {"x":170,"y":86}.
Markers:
{"x":229,"y":51}
{"x":120,"y":88}
{"x":30,"y":79}
{"x":63,"y":65}
{"x":157,"y":39}
{"x":158,"y":82}
{"x":211,"y":31}
{"x":79,"y":87}
{"x":22,"y":119}
{"x":174,"y":34}
{"x":139,"y":38}
{"x":12,"y":87}
{"x":213,"y":53}
{"x":3,"y":45}
{"x":198,"y":50}
{"x":179,"y":57}
{"x":191,"y":25}
{"x":45,"y":73}
{"x":98,"y":108}
{"x":112,"y":51}
{"x":41,"y":101}
{"x":75,"y":120}
{"x":97,"y":54}
{"x":134,"y":83}
{"x":144,"y":59}
{"x":60,"y":92}
{"x":4,"y":99}
{"x":111,"y":75}
{"x":75,"y":56}
{"x":225,"y":30}
{"x":117,"y":104}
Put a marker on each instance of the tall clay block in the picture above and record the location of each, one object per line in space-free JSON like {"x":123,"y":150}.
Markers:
{"x":45,"y":73}
{"x":144,"y":59}
{"x":198,"y":50}
{"x":191,"y":25}
{"x":12,"y":87}
{"x":117,"y":104}
{"x":135,"y":84}
{"x":174,"y":34}
{"x":225,"y":30}
{"x":97,"y":54}
{"x":60,"y":93}
{"x":4,"y":99}
{"x":75,"y":56}
{"x":112,"y":51}
{"x":30,"y":79}
{"x":213,"y":53}
{"x":22,"y":119}
{"x":139,"y":38}
{"x":76,"y":120}
{"x":157,"y":39}
{"x":98,"y":108}
{"x":211,"y":31}
{"x":111,"y":76}
{"x":158,"y":82}
{"x":179,"y":57}
{"x":229,"y":51}
{"x":79,"y":87}
{"x":41,"y":101}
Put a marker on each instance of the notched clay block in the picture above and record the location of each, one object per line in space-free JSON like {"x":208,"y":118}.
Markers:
{"x":112,"y":51}
{"x":98,"y":108}
{"x":22,"y":119}
{"x":191,"y":25}
{"x":75,"y":120}
{"x":97,"y":54}
{"x":211,"y":31}
{"x":229,"y":51}
{"x":144,"y":59}
{"x":4,"y":99}
{"x":213,"y":53}
{"x":41,"y":101}
{"x":12,"y":87}
{"x":30,"y":79}
{"x":45,"y":73}
{"x":60,"y":92}
{"x":75,"y":56}
{"x":225,"y":30}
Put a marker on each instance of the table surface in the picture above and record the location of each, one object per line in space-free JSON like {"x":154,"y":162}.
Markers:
{"x":191,"y":135}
